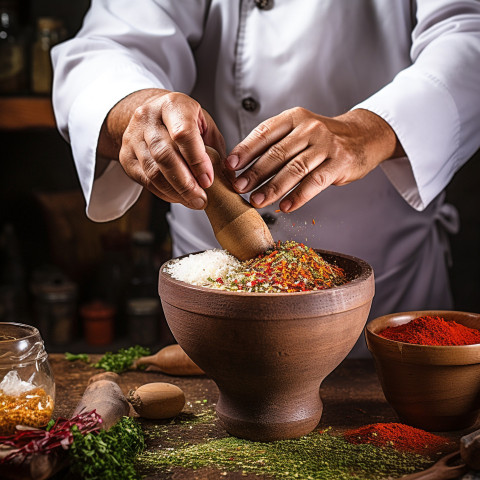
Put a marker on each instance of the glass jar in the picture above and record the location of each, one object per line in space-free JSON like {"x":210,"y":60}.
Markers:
{"x":50,"y":31}
{"x":27,"y":387}
{"x":55,"y":308}
{"x":13,"y":70}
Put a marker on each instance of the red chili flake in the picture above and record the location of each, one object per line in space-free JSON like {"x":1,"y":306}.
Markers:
{"x":277,"y":211}
{"x":313,"y":221}
{"x":219,"y":280}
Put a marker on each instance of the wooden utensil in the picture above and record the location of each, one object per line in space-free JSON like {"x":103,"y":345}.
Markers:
{"x":441,"y":470}
{"x":237,"y":226}
{"x":470,"y":449}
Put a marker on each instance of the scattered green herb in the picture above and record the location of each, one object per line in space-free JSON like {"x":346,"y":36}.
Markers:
{"x":122,"y":360}
{"x":108,"y":454}
{"x":318,"y":456}
{"x":71,"y":357}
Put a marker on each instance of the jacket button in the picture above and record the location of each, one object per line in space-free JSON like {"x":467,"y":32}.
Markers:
{"x":264,"y":4}
{"x":268,"y":219}
{"x":249,"y":104}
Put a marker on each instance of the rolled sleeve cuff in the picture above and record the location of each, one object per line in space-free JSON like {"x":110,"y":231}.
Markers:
{"x":113,"y":193}
{"x":423,"y":114}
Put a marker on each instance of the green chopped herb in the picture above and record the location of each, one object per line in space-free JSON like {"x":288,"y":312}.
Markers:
{"x":122,"y":360}
{"x":318,"y":456}
{"x":108,"y":454}
{"x":71,"y":357}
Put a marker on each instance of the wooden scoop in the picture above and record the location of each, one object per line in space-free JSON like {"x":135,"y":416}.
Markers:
{"x":237,"y":226}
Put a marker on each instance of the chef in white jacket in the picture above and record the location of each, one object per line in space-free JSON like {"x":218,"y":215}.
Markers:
{"x":356,"y":115}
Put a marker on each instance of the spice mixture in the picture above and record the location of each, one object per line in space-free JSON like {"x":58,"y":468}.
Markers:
{"x":432,"y":331}
{"x":33,"y":408}
{"x":400,"y":437}
{"x":288,"y":267}
{"x":316,"y":456}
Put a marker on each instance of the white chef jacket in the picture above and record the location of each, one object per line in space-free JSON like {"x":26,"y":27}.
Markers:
{"x":416,"y":64}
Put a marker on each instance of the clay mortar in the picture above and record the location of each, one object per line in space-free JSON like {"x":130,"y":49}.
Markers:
{"x":269,"y":353}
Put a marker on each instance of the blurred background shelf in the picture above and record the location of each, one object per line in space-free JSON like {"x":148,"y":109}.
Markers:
{"x":24,"y":112}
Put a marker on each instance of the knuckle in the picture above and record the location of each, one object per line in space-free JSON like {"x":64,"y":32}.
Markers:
{"x":298,"y":168}
{"x":272,"y":190}
{"x":141,"y":112}
{"x":161,"y":151}
{"x":319,"y":180}
{"x":181,"y":134}
{"x":262,"y":131}
{"x":186,"y":188}
{"x":277,"y":152}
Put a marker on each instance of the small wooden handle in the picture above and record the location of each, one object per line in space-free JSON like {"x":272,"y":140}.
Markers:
{"x":237,"y":226}
{"x":470,"y":449}
{"x":440,"y":470}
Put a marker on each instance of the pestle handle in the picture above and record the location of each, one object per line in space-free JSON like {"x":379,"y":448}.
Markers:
{"x":237,"y":226}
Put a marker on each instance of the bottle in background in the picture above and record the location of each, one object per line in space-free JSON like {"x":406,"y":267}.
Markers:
{"x":13,"y":71}
{"x":50,"y":31}
{"x":143,"y":304}
{"x":13,"y":289}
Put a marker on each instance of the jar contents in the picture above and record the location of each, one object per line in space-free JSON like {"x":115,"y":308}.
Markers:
{"x":432,"y":331}
{"x":22,"y":403}
{"x":288,"y":267}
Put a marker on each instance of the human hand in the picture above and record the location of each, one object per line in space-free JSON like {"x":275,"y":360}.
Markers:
{"x":307,"y":153}
{"x":162,"y":147}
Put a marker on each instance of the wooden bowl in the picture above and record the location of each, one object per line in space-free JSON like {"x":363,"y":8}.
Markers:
{"x":269,"y":352}
{"x":430,"y":387}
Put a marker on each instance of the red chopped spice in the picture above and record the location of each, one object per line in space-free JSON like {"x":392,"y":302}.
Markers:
{"x":432,"y":331}
{"x":400,"y":437}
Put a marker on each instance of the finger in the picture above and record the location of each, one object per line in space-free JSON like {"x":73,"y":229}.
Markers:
{"x":315,"y":182}
{"x":161,"y":159}
{"x":259,"y":140}
{"x":184,"y":128}
{"x":212,"y":136}
{"x":272,"y":161}
{"x":133,"y":169}
{"x":287,"y":178}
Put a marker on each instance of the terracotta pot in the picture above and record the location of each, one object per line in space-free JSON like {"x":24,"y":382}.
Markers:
{"x":430,"y":387}
{"x":269,"y":353}
{"x":98,"y":323}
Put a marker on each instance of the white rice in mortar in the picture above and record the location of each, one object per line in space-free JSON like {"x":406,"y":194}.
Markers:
{"x":198,"y":268}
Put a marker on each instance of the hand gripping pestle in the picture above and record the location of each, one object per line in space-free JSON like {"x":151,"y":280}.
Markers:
{"x":237,"y":226}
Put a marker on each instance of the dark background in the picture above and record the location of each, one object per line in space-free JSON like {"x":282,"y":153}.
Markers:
{"x":38,"y":161}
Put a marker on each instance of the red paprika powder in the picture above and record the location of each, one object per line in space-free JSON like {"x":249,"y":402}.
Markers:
{"x":432,"y":331}
{"x":400,"y":437}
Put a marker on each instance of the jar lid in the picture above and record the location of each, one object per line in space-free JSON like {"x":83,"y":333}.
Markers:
{"x":143,"y":306}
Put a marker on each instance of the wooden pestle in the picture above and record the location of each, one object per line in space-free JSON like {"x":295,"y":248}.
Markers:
{"x":237,"y":225}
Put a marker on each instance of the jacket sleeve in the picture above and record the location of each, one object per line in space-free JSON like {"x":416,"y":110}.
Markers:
{"x":121,"y":48}
{"x":433,"y":105}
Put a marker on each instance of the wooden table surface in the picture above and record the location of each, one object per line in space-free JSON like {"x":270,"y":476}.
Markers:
{"x":352,"y":397}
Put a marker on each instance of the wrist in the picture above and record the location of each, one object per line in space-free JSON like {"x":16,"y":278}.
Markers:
{"x":376,"y":137}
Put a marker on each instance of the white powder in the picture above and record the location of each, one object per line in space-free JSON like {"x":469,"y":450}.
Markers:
{"x":197,"y":268}
{"x":13,"y":385}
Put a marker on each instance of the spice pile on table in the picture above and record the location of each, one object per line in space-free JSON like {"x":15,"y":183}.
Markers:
{"x":288,"y":267}
{"x":400,"y":437}
{"x":429,"y":330}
